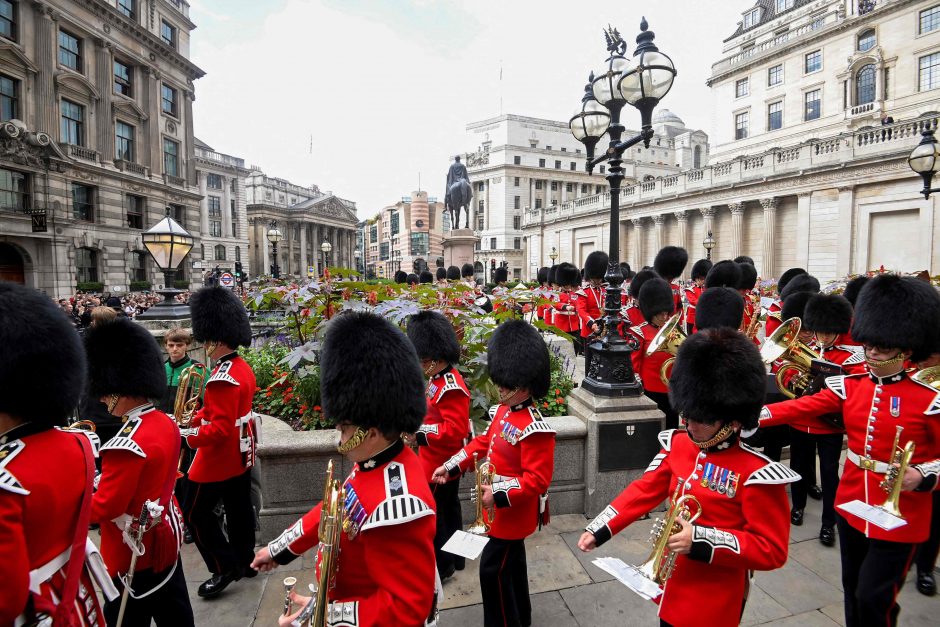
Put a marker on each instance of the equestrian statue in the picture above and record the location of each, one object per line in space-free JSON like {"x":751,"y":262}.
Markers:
{"x":459,"y":193}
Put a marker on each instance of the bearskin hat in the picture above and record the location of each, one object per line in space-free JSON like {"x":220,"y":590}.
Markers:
{"x":567,"y":275}
{"x":43,"y":366}
{"x":501,"y":275}
{"x":595,"y":266}
{"x":124,"y":359}
{"x":426,"y":277}
{"x":542,"y":275}
{"x":517,"y":357}
{"x":552,"y":275}
{"x":219,"y":316}
{"x":898,"y":312}
{"x":800,"y":283}
{"x":670,"y":261}
{"x":441,"y":273}
{"x":748,"y":276}
{"x":718,"y":377}
{"x":719,"y":307}
{"x":788,"y":276}
{"x":466,"y":270}
{"x":656,"y":297}
{"x":626,"y":271}
{"x":853,"y":287}
{"x":453,"y":273}
{"x":795,"y":306}
{"x":370,"y":375}
{"x":433,"y":337}
{"x":637,"y":282}
{"x":700,"y":268}
{"x":401,"y":276}
{"x":411,"y":278}
{"x":725,"y":273}
{"x":744,"y":259}
{"x":828,"y":313}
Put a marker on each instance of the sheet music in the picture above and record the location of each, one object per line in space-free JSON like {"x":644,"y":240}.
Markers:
{"x":874,"y":515}
{"x":629,"y":576}
{"x":465,"y":545}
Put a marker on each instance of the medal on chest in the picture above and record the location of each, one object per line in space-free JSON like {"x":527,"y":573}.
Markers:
{"x":895,"y":407}
{"x":510,"y":433}
{"x":721,"y":480}
{"x":355,"y":512}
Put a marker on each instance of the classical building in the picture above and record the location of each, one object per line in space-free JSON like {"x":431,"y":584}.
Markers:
{"x":406,"y":236}
{"x":96,"y":141}
{"x":306,"y":218}
{"x":524,"y":163}
{"x":818,"y":104}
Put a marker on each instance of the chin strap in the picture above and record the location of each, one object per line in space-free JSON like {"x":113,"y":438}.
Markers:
{"x":354,"y":441}
{"x":723,"y":433}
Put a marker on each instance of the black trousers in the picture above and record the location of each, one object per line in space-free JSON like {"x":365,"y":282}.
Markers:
{"x":167,"y":606}
{"x":803,"y":447}
{"x":873,"y":572}
{"x":927,"y":552}
{"x":662,"y":401}
{"x":774,"y":439}
{"x":449,"y":520}
{"x":504,"y":583}
{"x":221,"y":554}
{"x":183,"y":485}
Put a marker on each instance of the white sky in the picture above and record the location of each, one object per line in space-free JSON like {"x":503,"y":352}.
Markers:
{"x":387,"y":87}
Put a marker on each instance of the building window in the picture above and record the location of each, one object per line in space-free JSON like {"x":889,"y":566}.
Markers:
{"x":215,"y":228}
{"x":8,"y":20}
{"x":929,"y":20}
{"x":83,"y":202}
{"x":492,"y":243}
{"x":783,"y":5}
{"x":219,"y":252}
{"x":574,"y":166}
{"x":516,"y":202}
{"x":569,"y":187}
{"x":865,"y":85}
{"x":481,"y":186}
{"x":168,"y":99}
{"x":124,"y":141}
{"x":538,"y":185}
{"x":234,"y":221}
{"x":168,"y":33}
{"x":751,"y":18}
{"x":584,"y":188}
{"x":775,"y":75}
{"x":554,"y":186}
{"x":602,"y":168}
{"x":929,"y":71}
{"x":123,"y":79}
{"x":740,"y":125}
{"x":73,"y":123}
{"x":126,"y":8}
{"x":541,"y":163}
{"x":517,"y":243}
{"x":813,"y":100}
{"x":214,"y":181}
{"x":697,"y":157}
{"x":138,"y":268}
{"x":557,"y":165}
{"x":420,"y":243}
{"x":740,"y":88}
{"x":215,"y":206}
{"x":515,"y":182}
{"x":135,"y":211}
{"x":14,"y":191}
{"x":517,"y":160}
{"x":538,"y":203}
{"x":517,"y":222}
{"x":373,"y":234}
{"x":866,"y":41}
{"x":394,"y":223}
{"x":9,"y":98}
{"x":775,"y":116}
{"x":238,"y":253}
{"x":178,"y":213}
{"x":171,"y":151}
{"x":70,"y":51}
{"x":598,"y":189}
{"x":86,"y":265}
{"x":813,"y":62}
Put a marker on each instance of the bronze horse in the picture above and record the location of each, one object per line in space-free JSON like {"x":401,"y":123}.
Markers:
{"x":458,"y":197}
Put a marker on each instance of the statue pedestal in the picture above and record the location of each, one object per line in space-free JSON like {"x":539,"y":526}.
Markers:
{"x":459,"y":245}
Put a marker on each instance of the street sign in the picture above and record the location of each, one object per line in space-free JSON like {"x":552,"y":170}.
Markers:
{"x":226,"y":280}
{"x":311,"y":271}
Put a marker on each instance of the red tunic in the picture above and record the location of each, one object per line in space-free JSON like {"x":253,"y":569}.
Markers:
{"x":567,"y":321}
{"x":748,"y":530}
{"x":386,"y":572}
{"x":648,"y":366}
{"x":676,"y":296}
{"x":692,"y":295}
{"x":447,"y":424}
{"x":521,"y":447}
{"x":223,"y":431}
{"x":773,"y":321}
{"x":589,"y":303}
{"x":872,"y":409}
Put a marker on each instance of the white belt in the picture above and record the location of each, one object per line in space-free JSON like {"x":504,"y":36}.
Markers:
{"x":867,"y":463}
{"x":93,"y":563}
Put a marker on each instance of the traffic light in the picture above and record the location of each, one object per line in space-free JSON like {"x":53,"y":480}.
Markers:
{"x":238,"y":269}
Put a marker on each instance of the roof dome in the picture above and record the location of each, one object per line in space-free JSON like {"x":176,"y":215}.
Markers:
{"x":665,"y":116}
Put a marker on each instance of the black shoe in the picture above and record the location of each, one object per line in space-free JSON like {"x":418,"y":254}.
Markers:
{"x":827,"y":536}
{"x":926,"y":584}
{"x":447,"y":573}
{"x":214,"y":586}
{"x":815,"y":493}
{"x":187,"y":536}
{"x":796,"y":517}
{"x":460,"y":563}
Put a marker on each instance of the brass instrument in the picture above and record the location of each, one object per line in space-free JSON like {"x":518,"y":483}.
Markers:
{"x":661,"y":562}
{"x":895,"y":475}
{"x":928,"y":376}
{"x":751,"y":330}
{"x":289,"y":583}
{"x":785,"y":344}
{"x":188,"y":393}
{"x":668,"y":339}
{"x":82,"y":425}
{"x":485,"y":471}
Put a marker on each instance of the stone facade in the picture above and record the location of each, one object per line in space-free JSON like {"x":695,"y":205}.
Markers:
{"x":97,"y":140}
{"x":223,"y":210}
{"x":406,"y":236}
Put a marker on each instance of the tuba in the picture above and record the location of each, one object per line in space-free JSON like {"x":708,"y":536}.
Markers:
{"x":895,"y":475}
{"x":785,"y":344}
{"x":661,"y":562}
{"x":928,"y":376}
{"x":668,"y":340}
{"x":485,"y":472}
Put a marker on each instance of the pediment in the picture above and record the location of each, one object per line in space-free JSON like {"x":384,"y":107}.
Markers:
{"x":14,"y":55}
{"x":122,"y":106}
{"x":77,"y":83}
{"x":333,"y":208}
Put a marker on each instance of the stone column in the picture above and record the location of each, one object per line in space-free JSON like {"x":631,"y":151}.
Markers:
{"x":659,"y":222}
{"x":149,"y":146}
{"x":846,"y":206}
{"x":637,"y":242}
{"x":315,"y":248}
{"x":708,"y":218}
{"x":682,"y":218}
{"x":803,"y":203}
{"x":226,"y":207}
{"x":770,"y":236}
{"x":303,"y":249}
{"x":104,"y":74}
{"x":188,"y":149}
{"x":737,"y":228}
{"x":46,"y":51}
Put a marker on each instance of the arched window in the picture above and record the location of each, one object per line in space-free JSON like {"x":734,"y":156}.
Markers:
{"x":865,"y":85}
{"x":86,"y":265}
{"x":697,"y":157}
{"x":220,"y":252}
{"x":867,"y":41}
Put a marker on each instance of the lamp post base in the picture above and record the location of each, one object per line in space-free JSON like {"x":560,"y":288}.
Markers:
{"x":609,"y":370}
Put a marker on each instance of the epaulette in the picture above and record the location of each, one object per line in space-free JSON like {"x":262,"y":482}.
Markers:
{"x":773,"y":473}
{"x":450,"y":383}
{"x":857,"y":356}
{"x":221,"y":374}
{"x":399,"y":506}
{"x":665,"y":439}
{"x":638,"y":329}
{"x":690,"y":288}
{"x":836,"y":385}
{"x":492,"y":411}
{"x":7,"y":481}
{"x":93,"y":439}
{"x":124,"y":440}
{"x":536,"y":426}
{"x":934,"y":408}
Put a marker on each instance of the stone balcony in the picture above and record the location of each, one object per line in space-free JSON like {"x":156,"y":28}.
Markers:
{"x":83,"y":153}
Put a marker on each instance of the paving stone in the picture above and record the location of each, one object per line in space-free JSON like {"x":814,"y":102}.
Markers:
{"x":761,"y":608}
{"x":917,"y":610}
{"x":836,"y":612}
{"x":797,"y":588}
{"x":548,"y":610}
{"x":620,"y":546}
{"x":824,"y":561}
{"x":806,"y":619}
{"x":272,"y":597}
{"x":609,"y":603}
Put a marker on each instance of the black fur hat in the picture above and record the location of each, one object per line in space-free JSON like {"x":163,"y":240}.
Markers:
{"x":595,"y":266}
{"x":800,"y":283}
{"x":453,"y":273}
{"x":626,"y":271}
{"x":795,"y":305}
{"x":466,"y":270}
{"x":124,"y":359}
{"x":411,"y":278}
{"x":744,"y":259}
{"x":43,"y":365}
{"x":567,"y":275}
{"x":441,"y":273}
{"x":542,"y":275}
{"x":370,"y":375}
{"x":656,"y":297}
{"x":828,"y":313}
{"x":552,"y":275}
{"x":719,"y":307}
{"x":718,"y":377}
{"x":853,"y":287}
{"x":401,"y":276}
{"x":670,"y":261}
{"x":898,"y":312}
{"x":426,"y":277}
{"x":637,"y":282}
{"x":788,"y":276}
{"x":501,"y":275}
{"x":725,"y":273}
{"x":700,"y":268}
{"x":433,"y":337}
{"x":219,"y":316}
{"x":748,"y":276}
{"x":517,"y":357}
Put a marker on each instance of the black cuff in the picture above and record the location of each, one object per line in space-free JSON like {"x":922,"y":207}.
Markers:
{"x":602,"y":535}
{"x":927,"y":484}
{"x":284,"y":557}
{"x":501,"y":498}
{"x":701,"y":551}
{"x":421,"y":438}
{"x":454,"y":472}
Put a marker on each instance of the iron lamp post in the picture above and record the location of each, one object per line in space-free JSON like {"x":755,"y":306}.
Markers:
{"x":326,"y":247}
{"x":925,"y":160}
{"x":708,"y":243}
{"x":275,"y":236}
{"x":168,"y":244}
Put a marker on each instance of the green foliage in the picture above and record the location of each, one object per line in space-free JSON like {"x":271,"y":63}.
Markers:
{"x":181,"y":284}
{"x":90,"y":286}
{"x":140,"y":286}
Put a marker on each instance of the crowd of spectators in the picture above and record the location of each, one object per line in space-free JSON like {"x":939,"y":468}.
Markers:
{"x":84,"y":309}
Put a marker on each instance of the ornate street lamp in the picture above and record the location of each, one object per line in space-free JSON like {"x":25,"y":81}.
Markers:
{"x":708,"y":243}
{"x":925,"y":160}
{"x":275,"y":236}
{"x":326,"y":247}
{"x":168,"y":244}
{"x":553,"y":255}
{"x":640,"y":82}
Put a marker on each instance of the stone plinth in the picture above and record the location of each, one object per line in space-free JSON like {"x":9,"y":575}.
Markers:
{"x":459,"y":245}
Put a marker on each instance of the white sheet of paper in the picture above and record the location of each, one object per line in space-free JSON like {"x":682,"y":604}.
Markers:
{"x":465,"y":545}
{"x":874,"y":515}
{"x":629,"y":576}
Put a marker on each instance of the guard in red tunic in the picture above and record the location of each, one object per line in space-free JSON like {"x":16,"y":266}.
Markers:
{"x":751,"y":301}
{"x":46,"y":474}
{"x":446,"y":426}
{"x":896,"y":320}
{"x":669,"y":263}
{"x":520,"y":445}
{"x":589,"y":300}
{"x":692,"y":292}
{"x":631,"y":314}
{"x":564,"y":311}
{"x":718,"y":387}
{"x":773,"y":312}
{"x":656,"y":303}
{"x":719,"y":307}
{"x":544,"y":287}
{"x":138,"y":472}
{"x":223,"y":434}
{"x":386,"y":574}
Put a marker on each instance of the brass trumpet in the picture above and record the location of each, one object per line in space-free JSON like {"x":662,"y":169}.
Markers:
{"x":661,"y":562}
{"x":485,"y":472}
{"x":668,"y":339}
{"x":891,"y":484}
{"x":785,"y":344}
